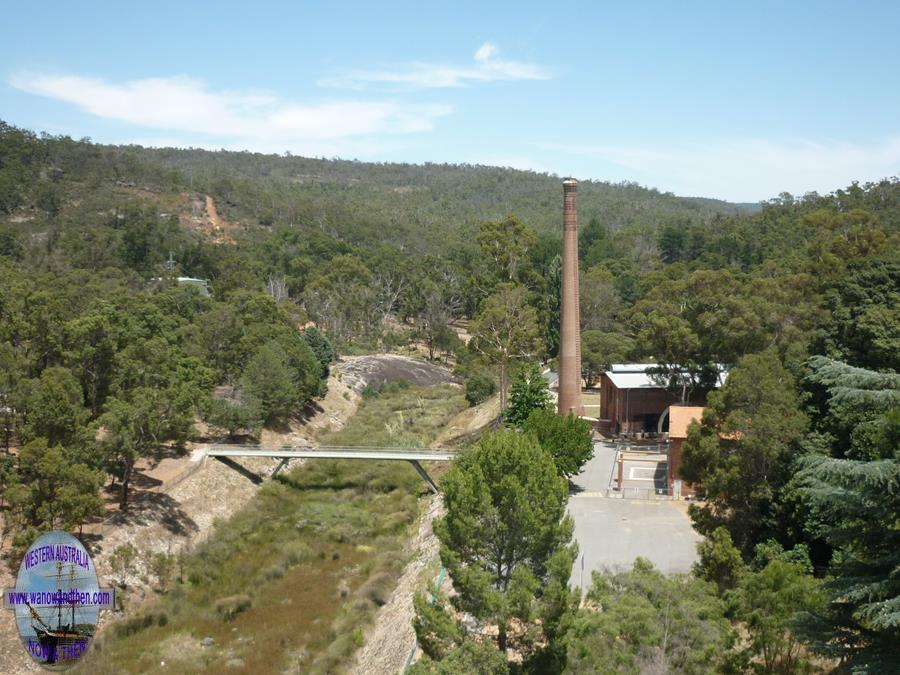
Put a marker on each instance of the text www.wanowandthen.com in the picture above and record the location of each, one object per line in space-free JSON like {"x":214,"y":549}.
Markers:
{"x":74,"y":596}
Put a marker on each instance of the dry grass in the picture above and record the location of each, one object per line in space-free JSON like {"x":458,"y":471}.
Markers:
{"x":290,"y":581}
{"x":396,"y":415}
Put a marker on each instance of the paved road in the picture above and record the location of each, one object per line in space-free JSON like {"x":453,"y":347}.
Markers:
{"x":552,"y":377}
{"x":611,"y":533}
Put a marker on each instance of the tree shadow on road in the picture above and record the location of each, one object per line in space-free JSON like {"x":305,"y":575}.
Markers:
{"x":574,"y":488}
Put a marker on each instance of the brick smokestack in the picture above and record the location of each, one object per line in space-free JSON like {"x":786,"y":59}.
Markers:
{"x":570,"y":315}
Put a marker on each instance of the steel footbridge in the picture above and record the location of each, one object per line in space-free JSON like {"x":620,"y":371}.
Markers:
{"x":225,"y":453}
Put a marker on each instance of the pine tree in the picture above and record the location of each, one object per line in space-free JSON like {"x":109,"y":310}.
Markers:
{"x":855,"y":498}
{"x":528,"y":392}
{"x":321,"y":347}
{"x":506,"y":543}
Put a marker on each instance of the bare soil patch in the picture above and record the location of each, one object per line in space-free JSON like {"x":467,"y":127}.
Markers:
{"x":220,"y":230}
{"x":470,"y":422}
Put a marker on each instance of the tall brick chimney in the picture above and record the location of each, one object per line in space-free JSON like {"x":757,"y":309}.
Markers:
{"x":570,"y":315}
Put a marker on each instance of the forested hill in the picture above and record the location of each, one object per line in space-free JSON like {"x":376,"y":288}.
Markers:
{"x":418,"y":201}
{"x":348,"y":244}
{"x":413,"y":207}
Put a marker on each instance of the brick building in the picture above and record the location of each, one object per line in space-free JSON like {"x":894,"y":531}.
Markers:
{"x":630,"y":401}
{"x":680,"y":418}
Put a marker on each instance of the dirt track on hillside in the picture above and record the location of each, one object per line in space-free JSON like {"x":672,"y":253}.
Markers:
{"x":220,"y":230}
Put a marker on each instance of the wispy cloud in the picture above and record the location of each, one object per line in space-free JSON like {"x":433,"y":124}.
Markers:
{"x":250,"y":120}
{"x":485,"y":67}
{"x":746,"y":169}
{"x":485,"y":51}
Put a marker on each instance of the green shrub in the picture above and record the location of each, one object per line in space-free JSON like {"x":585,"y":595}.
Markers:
{"x":370,"y":391}
{"x":230,"y":607}
{"x":362,"y":606}
{"x":122,"y":559}
{"x":273,"y":572}
{"x":230,"y":417}
{"x":163,"y":566}
{"x":378,"y":588}
{"x":139,"y":623}
{"x":342,"y":533}
{"x":395,"y":338}
{"x":479,"y":388}
{"x":340,"y":649}
{"x":295,"y":552}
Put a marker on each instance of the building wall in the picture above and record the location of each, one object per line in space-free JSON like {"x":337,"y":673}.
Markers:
{"x":632,"y":410}
{"x":674,"y":468}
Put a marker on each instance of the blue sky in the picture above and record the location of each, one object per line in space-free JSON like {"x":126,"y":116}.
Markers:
{"x":736,"y":100}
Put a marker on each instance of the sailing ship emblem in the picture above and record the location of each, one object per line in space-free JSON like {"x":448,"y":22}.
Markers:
{"x":57,"y":600}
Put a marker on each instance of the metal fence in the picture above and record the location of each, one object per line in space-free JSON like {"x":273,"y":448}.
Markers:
{"x":642,"y":493}
{"x":643,"y":453}
{"x":656,"y":448}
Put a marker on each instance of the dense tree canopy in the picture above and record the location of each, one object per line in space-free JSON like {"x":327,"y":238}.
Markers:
{"x":506,"y":539}
{"x":740,"y":457}
{"x":567,"y":439}
{"x":642,"y":621}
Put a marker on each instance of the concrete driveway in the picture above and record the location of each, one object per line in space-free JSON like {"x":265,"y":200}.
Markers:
{"x":611,"y":533}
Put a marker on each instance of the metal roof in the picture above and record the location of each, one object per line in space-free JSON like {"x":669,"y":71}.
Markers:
{"x":631,"y":376}
{"x":635,"y":376}
{"x":631,"y":367}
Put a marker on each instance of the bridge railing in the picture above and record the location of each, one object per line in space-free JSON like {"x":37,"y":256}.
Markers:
{"x":224,"y":452}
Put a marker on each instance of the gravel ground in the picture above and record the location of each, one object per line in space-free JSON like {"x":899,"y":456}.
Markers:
{"x":13,"y":659}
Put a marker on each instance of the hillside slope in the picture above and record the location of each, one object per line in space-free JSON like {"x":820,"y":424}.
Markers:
{"x":410,"y":206}
{"x":415,"y":205}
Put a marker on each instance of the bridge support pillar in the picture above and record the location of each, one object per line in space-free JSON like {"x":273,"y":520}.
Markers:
{"x":283,"y":463}
{"x":424,"y":475}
